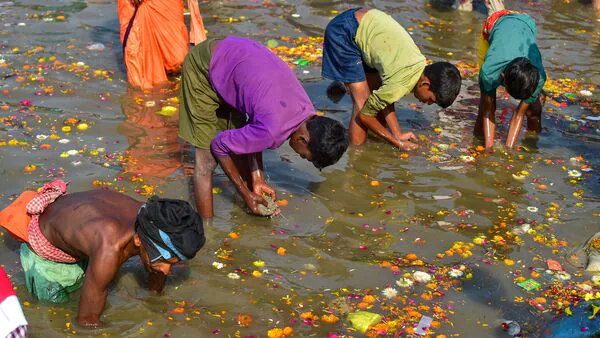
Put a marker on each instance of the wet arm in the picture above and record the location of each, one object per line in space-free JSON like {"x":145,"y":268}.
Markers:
{"x":516,"y":124}
{"x":487,"y":110}
{"x":360,"y":94}
{"x":101,"y":270}
{"x":259,"y":185}
{"x":251,"y":199}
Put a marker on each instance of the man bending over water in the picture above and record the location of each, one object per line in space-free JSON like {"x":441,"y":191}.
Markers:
{"x":100,"y":229}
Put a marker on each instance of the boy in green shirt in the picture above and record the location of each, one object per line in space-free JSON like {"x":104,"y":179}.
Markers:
{"x":379,"y":63}
{"x":510,"y":58}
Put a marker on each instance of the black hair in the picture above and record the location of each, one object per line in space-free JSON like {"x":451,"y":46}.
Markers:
{"x":521,"y":78}
{"x":445,"y":80}
{"x":328,"y":140}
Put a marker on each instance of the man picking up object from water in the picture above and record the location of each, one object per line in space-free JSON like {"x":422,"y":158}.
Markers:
{"x":101,"y":229}
{"x":225,"y":81}
{"x":510,"y":57}
{"x":379,"y":63}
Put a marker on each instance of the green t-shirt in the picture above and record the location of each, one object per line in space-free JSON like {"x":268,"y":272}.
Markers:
{"x":388,"y":47}
{"x":512,"y":36}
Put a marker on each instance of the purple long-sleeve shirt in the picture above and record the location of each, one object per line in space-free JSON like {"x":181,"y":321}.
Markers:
{"x":253,"y":80}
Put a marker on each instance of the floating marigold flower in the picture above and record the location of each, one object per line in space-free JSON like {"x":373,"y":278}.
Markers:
{"x":244,"y":320}
{"x":282,"y":203}
{"x":369,"y":299}
{"x":281,"y":251}
{"x":30,"y":168}
{"x":411,"y":256}
{"x":329,"y":318}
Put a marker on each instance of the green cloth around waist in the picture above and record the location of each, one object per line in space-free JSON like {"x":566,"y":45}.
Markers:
{"x":50,"y":281}
{"x":202,"y":111}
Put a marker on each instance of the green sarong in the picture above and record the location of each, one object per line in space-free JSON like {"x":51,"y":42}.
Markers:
{"x":50,"y":281}
{"x":202,"y":111}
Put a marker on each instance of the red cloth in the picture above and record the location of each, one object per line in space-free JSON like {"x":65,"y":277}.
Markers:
{"x":491,"y":21}
{"x":38,"y":242}
{"x":6,"y":288}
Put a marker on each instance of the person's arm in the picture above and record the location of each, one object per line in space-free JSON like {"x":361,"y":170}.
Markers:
{"x":369,"y":120}
{"x":102,"y":268}
{"x":259,"y":185}
{"x":487,"y":109}
{"x":156,"y":281}
{"x":252,"y":199}
{"x":516,"y":124}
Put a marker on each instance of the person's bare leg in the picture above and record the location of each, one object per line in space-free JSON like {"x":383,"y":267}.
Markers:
{"x":204,"y":166}
{"x":356,"y":130}
{"x":478,"y":130}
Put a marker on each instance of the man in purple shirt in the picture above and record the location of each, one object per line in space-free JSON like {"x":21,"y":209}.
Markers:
{"x":238,"y":99}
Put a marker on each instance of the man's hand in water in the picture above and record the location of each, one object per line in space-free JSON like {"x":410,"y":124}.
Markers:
{"x":405,"y":141}
{"x":261,"y":188}
{"x":253,"y":201}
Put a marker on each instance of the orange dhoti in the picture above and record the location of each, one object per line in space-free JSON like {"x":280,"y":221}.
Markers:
{"x":157,"y":42}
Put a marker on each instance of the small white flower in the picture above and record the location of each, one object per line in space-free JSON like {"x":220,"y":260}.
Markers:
{"x":467,"y":158}
{"x":404,"y":282}
{"x":64,"y":141}
{"x":233,"y":275}
{"x":574,"y":173}
{"x":532,"y":209}
{"x":218,"y":265}
{"x":80,"y":64}
{"x":73,"y":152}
{"x":41,"y":137}
{"x":422,"y":277}
{"x":562,"y":275}
{"x":455,"y":273}
{"x":389,"y":293}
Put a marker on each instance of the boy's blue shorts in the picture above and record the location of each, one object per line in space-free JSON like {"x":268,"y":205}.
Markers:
{"x":342,"y":59}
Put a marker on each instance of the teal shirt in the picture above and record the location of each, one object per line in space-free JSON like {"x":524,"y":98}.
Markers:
{"x":511,"y":37}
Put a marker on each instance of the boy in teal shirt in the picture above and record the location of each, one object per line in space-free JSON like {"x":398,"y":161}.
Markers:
{"x":511,"y":59}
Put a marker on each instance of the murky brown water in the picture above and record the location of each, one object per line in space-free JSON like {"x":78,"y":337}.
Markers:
{"x":337,"y":227}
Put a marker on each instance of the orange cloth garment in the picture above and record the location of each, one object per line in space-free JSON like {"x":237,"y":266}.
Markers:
{"x":15,"y":218}
{"x":158,"y":41}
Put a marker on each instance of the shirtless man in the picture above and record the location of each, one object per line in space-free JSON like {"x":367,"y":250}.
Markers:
{"x":105,"y":229}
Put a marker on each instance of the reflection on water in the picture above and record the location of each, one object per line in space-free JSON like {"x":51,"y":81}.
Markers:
{"x":153,"y":148}
{"x":345,"y":227}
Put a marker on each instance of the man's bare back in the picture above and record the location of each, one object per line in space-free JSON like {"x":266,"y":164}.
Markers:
{"x":74,"y":220}
{"x":106,"y":228}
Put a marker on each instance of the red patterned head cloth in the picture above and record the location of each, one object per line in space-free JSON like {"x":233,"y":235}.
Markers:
{"x":491,"y":21}
{"x":38,"y":242}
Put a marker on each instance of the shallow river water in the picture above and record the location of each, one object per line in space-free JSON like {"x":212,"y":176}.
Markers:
{"x":347,"y":230}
